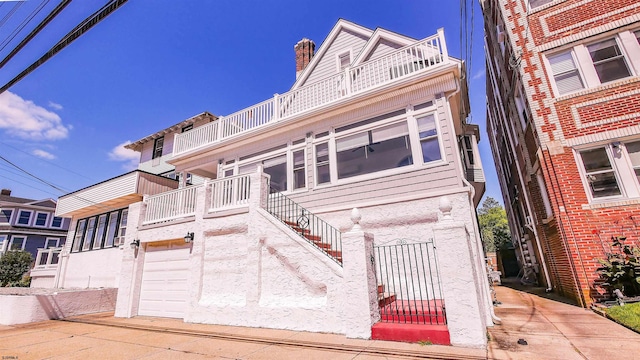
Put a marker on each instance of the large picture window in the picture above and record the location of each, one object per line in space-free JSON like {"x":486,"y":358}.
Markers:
{"x":100,"y":231}
{"x":374,"y":150}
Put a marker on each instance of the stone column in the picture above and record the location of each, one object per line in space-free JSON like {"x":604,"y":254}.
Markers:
{"x":457,"y":278}
{"x":360,"y":310}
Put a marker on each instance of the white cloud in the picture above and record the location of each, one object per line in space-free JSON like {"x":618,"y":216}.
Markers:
{"x":478,"y":75}
{"x":55,"y":106}
{"x":43,"y":154}
{"x":129,"y":157}
{"x":24,"y":119}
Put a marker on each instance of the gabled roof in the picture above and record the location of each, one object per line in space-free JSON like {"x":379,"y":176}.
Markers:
{"x":326,"y":44}
{"x":381,"y":34}
{"x":8,"y":200}
{"x":137,"y":145}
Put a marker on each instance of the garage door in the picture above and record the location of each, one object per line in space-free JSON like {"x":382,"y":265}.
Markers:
{"x":165,"y":276}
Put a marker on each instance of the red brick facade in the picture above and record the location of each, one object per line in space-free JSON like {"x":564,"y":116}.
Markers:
{"x":569,"y":239}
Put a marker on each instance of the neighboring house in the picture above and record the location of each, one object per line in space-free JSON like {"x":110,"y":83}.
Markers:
{"x":30,"y":225}
{"x":563,"y":119}
{"x":375,"y":120}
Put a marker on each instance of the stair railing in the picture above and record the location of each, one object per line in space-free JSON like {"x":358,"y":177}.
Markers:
{"x":310,"y":227}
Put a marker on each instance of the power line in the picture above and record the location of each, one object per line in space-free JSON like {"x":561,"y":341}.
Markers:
{"x":33,"y":176}
{"x":10,"y":13}
{"x":78,"y":31}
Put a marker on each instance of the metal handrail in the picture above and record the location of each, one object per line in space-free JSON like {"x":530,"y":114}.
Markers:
{"x":306,"y":224}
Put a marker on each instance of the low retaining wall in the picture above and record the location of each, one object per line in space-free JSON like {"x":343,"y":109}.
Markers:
{"x":25,"y":305}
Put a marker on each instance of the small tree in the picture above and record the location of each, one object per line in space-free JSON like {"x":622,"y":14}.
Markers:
{"x":621,"y":269}
{"x":494,"y":226}
{"x":13,"y":266}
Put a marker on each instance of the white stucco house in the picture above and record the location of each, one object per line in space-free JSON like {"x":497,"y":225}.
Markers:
{"x":259,"y":229}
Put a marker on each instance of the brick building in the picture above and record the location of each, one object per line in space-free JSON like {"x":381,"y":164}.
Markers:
{"x":563,"y":116}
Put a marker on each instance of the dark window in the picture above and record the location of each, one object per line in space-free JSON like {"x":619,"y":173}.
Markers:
{"x":608,"y":60}
{"x":24,"y":218}
{"x":56,"y":222}
{"x":187,"y":128}
{"x":41,"y":219}
{"x":322,"y":163}
{"x":5,"y":215}
{"x":600,"y":174}
{"x":157,"y":147}
{"x":100,"y":231}
{"x":299,"y":173}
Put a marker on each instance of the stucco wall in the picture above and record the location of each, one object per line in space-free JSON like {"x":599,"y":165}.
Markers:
{"x":91,"y":269}
{"x":34,"y":305}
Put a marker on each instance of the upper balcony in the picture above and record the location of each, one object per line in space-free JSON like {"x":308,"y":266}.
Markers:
{"x":414,"y":60}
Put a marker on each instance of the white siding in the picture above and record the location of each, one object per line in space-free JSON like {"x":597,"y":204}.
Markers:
{"x":327,"y":65}
{"x":382,"y":48}
{"x":100,"y":193}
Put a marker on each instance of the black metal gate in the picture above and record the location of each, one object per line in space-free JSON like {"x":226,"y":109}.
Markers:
{"x":409,"y":288}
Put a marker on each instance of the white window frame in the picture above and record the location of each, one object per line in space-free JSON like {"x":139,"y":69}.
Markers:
{"x":621,"y":167}
{"x":291,"y":169}
{"x":467,"y":150}
{"x":13,"y":237}
{"x":415,"y":136}
{"x":10,"y":215}
{"x":61,"y":222}
{"x":338,"y":64}
{"x":323,"y":140}
{"x":577,"y":63}
{"x":3,"y":243}
{"x":623,"y":53}
{"x":30,"y":217}
{"x":56,"y":240}
{"x":46,"y":220}
{"x":544,"y":194}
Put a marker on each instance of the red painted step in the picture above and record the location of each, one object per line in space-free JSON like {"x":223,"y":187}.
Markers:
{"x":416,"y":312}
{"x":435,"y":334}
{"x":385,"y":299}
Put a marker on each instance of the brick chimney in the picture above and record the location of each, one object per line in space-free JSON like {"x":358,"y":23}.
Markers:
{"x":5,"y":192}
{"x":304,"y":49}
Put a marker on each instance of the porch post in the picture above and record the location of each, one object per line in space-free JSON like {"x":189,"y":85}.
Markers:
{"x":457,"y":278}
{"x":360,"y":310}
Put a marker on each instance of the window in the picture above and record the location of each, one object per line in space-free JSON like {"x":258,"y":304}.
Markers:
{"x":344,"y":60}
{"x":277,"y":168}
{"x":41,"y":219}
{"x":600,"y":174}
{"x":77,"y":239}
{"x":608,"y":60}
{"x":157,"y":147}
{"x":634,"y":155}
{"x":428,"y":132}
{"x":51,"y":243}
{"x":536,"y":3}
{"x":299,"y":173}
{"x":565,"y":73}
{"x":521,"y":108}
{"x":56,"y":222}
{"x":375,"y":150}
{"x":323,"y":174}
{"x":468,"y":149}
{"x":24,"y":217}
{"x":97,"y":240}
{"x":187,"y":128}
{"x":5,"y":215}
{"x":17,"y":242}
{"x":100,"y":231}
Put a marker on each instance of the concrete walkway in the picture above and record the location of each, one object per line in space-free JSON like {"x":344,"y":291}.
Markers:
{"x":551,"y":328}
{"x":555,"y":329}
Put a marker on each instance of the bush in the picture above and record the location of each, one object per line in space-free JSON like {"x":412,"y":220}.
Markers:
{"x":621,"y":269}
{"x":13,"y":266}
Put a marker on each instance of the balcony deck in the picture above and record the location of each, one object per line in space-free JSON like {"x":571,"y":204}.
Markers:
{"x":416,"y":59}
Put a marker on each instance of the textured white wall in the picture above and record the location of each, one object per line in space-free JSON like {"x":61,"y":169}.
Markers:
{"x":92,"y":269}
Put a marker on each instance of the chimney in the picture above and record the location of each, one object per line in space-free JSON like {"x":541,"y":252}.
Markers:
{"x":305,"y":49}
{"x":5,"y":192}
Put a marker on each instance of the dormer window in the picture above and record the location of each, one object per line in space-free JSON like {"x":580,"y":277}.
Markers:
{"x":344,"y":60}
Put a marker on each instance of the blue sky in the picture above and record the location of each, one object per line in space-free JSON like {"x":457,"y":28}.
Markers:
{"x":154,"y":63}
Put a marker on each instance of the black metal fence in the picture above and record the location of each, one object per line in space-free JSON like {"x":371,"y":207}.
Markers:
{"x":310,"y":227}
{"x":409,"y":288}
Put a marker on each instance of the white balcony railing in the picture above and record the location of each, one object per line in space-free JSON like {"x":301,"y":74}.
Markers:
{"x":171,"y":205}
{"x":47,"y":259}
{"x":229,"y":192}
{"x":418,"y":57}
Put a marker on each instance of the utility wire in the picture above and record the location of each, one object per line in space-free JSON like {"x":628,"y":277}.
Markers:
{"x":33,"y":32}
{"x":10,"y":13}
{"x":24,"y":23}
{"x":33,"y":176}
{"x":78,"y":31}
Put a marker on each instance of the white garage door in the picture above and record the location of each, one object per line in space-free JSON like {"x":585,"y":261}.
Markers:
{"x":165,"y":278}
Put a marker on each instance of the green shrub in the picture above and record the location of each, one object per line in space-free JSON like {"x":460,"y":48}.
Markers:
{"x":13,"y":266}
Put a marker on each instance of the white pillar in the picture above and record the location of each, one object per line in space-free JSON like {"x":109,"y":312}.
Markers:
{"x":132,"y":264}
{"x":360,"y":309}
{"x":457,"y":278}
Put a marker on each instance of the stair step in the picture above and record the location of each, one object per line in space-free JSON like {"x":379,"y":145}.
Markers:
{"x":335,"y":253}
{"x":385,"y":299}
{"x":437,"y":334}
{"x":408,"y":311}
{"x":380,"y":288}
{"x":314,"y":238}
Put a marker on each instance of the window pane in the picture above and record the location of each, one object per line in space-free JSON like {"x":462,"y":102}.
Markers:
{"x":595,"y":160}
{"x":427,"y":126}
{"x":323,"y":174}
{"x":374,"y":157}
{"x":102,"y":222}
{"x":91,"y":228}
{"x":608,"y":60}
{"x":111,"y":229}
{"x":634,"y":154}
{"x":430,"y":150}
{"x":535,"y":3}
{"x":5,"y":215}
{"x":41,"y":219}
{"x":24,"y":218}
{"x":17,"y":243}
{"x":565,"y":73}
{"x":77,"y":240}
{"x":278,"y":174}
{"x":298,"y":169}
{"x":56,"y":222}
{"x":603,"y":184}
{"x":122,"y":229}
